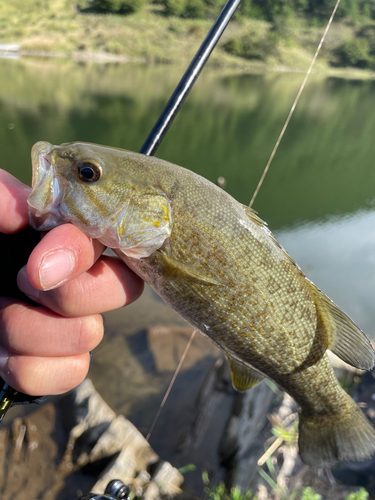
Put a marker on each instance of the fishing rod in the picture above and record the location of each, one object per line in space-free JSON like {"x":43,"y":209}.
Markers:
{"x":8,"y":395}
{"x":187,"y":81}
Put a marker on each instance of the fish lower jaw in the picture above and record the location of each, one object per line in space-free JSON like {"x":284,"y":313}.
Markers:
{"x":44,"y":220}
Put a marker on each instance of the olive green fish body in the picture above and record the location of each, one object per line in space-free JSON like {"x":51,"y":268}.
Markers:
{"x":216,"y":263}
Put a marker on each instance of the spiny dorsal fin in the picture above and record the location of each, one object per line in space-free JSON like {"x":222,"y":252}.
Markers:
{"x":252,"y":214}
{"x":263,"y":225}
{"x":243,"y":377}
{"x":345,"y":339}
{"x":175,"y":267}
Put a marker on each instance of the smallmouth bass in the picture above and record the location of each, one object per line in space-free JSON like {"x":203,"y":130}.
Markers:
{"x":216,"y":263}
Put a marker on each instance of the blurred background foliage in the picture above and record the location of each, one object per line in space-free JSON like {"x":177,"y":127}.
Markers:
{"x":264,"y":32}
{"x":289,"y":22}
{"x":268,"y":10}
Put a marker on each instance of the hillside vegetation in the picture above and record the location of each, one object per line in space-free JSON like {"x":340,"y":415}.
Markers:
{"x":263,"y":33}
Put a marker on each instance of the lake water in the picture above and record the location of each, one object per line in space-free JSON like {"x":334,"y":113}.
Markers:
{"x":318,"y":197}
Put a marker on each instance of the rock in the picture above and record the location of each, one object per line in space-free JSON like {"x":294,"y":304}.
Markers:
{"x":214,"y":392}
{"x":92,"y":416}
{"x":204,"y":426}
{"x":361,"y":473}
{"x":245,"y":435}
{"x":76,"y":445}
{"x":168,"y":479}
{"x":89,"y":408}
{"x":123,"y":435}
{"x":152,"y":492}
{"x":167,"y":344}
{"x":117,"y":439}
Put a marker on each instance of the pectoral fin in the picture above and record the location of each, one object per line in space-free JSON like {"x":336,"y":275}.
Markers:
{"x":144,"y":225}
{"x":344,"y":338}
{"x":243,"y":377}
{"x":174,"y":267}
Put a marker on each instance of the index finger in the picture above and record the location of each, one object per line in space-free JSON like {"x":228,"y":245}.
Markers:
{"x":62,"y":255}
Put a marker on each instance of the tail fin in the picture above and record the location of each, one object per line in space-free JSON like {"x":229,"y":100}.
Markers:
{"x":349,"y":436}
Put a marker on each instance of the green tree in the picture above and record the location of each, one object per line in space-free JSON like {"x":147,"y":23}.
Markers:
{"x":355,"y":52}
{"x":115,"y":6}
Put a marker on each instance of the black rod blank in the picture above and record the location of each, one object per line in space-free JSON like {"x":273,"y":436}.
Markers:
{"x":187,"y":81}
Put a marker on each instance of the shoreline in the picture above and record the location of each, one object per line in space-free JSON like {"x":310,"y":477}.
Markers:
{"x":151,"y":36}
{"x":237,"y":65}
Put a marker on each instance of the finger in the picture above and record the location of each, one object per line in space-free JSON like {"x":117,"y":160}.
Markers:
{"x":36,"y":331}
{"x":62,"y":255}
{"x":37,"y":375}
{"x":108,"y":285}
{"x":13,"y":203}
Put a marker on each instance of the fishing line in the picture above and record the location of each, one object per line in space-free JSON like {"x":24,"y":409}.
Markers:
{"x":177,"y":371}
{"x":294,"y":104}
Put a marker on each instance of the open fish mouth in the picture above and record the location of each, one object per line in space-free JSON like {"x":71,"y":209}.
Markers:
{"x":47,"y":189}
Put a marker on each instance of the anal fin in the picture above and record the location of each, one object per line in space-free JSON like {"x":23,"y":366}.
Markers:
{"x":243,"y":377}
{"x":344,"y":338}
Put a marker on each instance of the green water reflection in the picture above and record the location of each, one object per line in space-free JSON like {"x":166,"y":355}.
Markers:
{"x":322,"y":175}
{"x":227,"y":127}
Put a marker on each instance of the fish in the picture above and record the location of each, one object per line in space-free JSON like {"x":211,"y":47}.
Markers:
{"x":216,"y":263}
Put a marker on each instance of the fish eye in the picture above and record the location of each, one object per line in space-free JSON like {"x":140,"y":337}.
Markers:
{"x":88,"y":171}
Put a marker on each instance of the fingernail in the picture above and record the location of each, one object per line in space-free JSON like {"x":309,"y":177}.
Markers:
{"x":25,"y":286}
{"x":56,"y":268}
{"x":4,"y":356}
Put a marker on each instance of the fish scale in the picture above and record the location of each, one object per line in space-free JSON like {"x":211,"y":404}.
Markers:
{"x":216,"y":263}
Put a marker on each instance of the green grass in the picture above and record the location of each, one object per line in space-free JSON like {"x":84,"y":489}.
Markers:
{"x":56,"y":26}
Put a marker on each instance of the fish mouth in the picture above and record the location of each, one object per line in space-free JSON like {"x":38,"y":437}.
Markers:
{"x":47,"y":189}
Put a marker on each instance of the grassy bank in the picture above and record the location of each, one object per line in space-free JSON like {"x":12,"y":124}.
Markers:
{"x":56,"y":27}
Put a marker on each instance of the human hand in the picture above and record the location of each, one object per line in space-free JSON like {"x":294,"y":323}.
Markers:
{"x":45,"y":349}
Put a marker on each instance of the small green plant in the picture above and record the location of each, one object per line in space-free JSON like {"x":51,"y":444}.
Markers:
{"x":289,"y":435}
{"x":309,"y":494}
{"x":195,"y":9}
{"x":221,"y":492}
{"x":361,"y":494}
{"x":355,"y":52}
{"x":114,"y":6}
{"x":252,"y":46}
{"x":187,"y":468}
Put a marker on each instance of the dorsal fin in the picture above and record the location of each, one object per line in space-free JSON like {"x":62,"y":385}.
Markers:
{"x":263,"y":225}
{"x":344,"y":338}
{"x":252,"y":214}
{"x":243,"y":377}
